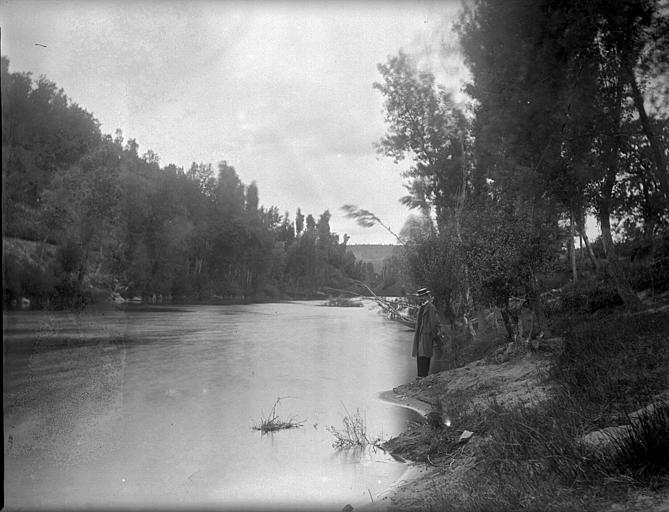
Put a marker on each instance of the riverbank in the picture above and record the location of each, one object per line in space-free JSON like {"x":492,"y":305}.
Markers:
{"x":424,"y":482}
{"x":501,"y":434}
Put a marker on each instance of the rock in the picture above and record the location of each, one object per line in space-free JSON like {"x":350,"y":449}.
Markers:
{"x":347,"y":508}
{"x":465,"y":436}
{"x":603,"y":440}
{"x":661,"y":402}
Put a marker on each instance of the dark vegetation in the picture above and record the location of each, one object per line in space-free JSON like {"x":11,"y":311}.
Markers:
{"x":569,"y":121}
{"x":611,"y":366}
{"x":533,"y":455}
{"x":85,"y":217}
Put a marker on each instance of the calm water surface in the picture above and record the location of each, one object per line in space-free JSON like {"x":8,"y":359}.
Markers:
{"x":155,"y":406}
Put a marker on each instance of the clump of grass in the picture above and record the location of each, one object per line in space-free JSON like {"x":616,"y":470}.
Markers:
{"x":354,"y":433}
{"x":272,"y":422}
{"x":643,"y":454}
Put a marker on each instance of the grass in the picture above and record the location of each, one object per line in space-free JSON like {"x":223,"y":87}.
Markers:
{"x":531,"y":456}
{"x":644,"y":453}
{"x":272,"y":422}
{"x":614,"y":363}
{"x":354,"y":433}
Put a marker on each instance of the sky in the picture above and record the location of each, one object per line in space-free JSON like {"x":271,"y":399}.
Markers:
{"x":280,"y":90}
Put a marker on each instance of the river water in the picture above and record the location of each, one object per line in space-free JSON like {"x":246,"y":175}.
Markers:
{"x":155,"y":406}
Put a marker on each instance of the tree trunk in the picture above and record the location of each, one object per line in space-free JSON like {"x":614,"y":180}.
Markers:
{"x":591,"y":254}
{"x":506,"y":318}
{"x":656,"y":151}
{"x":460,"y":204}
{"x":534,"y":298}
{"x":614,"y":267}
{"x":572,"y":249}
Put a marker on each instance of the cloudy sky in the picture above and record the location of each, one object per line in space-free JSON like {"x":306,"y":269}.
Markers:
{"x":280,"y":90}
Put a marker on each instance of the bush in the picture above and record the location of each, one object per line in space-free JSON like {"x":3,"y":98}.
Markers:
{"x":354,"y":433}
{"x":25,"y":278}
{"x":653,"y":276}
{"x":589,"y":296}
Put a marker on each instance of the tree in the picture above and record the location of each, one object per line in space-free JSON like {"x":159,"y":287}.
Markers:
{"x":43,"y":133}
{"x":424,"y":124}
{"x":299,"y":223}
{"x":555,"y":115}
{"x":122,"y":223}
{"x":251,"y":202}
{"x":80,"y":211}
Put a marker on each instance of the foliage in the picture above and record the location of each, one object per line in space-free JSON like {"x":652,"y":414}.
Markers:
{"x":556,"y":119}
{"x":488,"y":243}
{"x":653,"y":276}
{"x":505,"y":246}
{"x":43,"y":133}
{"x":123,"y":224}
{"x":588,"y":296}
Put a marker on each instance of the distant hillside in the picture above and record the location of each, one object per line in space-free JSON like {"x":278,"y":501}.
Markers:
{"x":373,"y":253}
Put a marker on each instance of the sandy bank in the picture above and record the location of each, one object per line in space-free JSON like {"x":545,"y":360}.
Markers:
{"x":423,"y":483}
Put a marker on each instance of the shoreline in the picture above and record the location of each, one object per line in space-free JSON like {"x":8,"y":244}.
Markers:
{"x":415,"y":471}
{"x":422,"y":407}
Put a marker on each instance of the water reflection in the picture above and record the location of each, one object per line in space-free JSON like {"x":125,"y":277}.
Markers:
{"x":153,"y":407}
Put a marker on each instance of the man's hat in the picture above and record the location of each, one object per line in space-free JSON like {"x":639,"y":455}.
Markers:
{"x":422,"y":292}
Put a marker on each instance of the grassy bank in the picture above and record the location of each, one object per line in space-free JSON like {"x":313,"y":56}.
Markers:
{"x":589,"y":443}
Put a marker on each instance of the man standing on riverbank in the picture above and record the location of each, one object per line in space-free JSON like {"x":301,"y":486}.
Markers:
{"x":426,"y":334}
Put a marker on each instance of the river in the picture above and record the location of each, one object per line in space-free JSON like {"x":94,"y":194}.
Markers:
{"x":151,"y":407}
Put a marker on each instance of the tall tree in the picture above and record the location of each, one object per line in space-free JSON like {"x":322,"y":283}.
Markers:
{"x":556,"y":112}
{"x":424,"y":124}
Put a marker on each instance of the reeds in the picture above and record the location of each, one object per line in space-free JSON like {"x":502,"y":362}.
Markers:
{"x":354,"y":433}
{"x":272,"y":422}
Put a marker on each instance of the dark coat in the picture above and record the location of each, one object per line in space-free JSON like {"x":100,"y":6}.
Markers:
{"x":427,"y":331}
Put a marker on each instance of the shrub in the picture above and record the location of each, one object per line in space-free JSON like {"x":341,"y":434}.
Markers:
{"x":354,"y":433}
{"x":589,"y":296}
{"x":653,"y":276}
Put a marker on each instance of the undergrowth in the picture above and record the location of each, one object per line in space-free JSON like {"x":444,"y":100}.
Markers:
{"x":533,"y":456}
{"x":614,"y":363}
{"x":643,"y":454}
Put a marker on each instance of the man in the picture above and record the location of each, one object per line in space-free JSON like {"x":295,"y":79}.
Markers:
{"x":426,"y":334}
